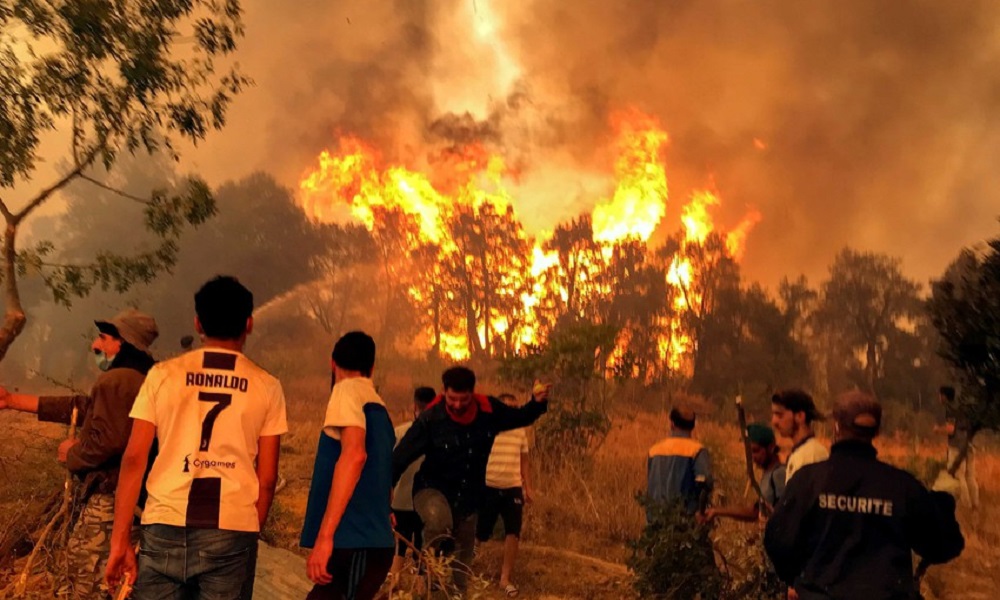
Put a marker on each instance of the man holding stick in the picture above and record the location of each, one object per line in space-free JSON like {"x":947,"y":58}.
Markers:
{"x":121,"y":351}
{"x":764,"y":452}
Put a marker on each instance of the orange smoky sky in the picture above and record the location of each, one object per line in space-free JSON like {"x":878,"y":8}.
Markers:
{"x":843,"y":122}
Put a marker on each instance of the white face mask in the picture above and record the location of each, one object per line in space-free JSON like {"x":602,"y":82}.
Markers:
{"x":103,"y":360}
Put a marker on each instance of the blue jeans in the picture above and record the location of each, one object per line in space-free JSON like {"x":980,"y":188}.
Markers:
{"x":178,"y":563}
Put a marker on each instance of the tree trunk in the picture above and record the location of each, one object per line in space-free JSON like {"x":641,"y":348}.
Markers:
{"x":14,"y":318}
{"x":870,"y":366}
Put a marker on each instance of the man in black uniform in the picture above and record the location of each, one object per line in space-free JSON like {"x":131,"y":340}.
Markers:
{"x":845,"y":527}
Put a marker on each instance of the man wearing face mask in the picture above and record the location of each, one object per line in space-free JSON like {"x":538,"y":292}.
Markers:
{"x":455,"y":436}
{"x":121,"y":351}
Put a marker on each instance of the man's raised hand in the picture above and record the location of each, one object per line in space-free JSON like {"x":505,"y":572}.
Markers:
{"x":540,"y":391}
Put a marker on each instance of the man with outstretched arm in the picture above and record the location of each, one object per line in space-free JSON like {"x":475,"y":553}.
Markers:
{"x":121,"y":351}
{"x":764,"y":453}
{"x":846,"y":527}
{"x":348,"y":523}
{"x":455,"y":435}
{"x":218,"y":418}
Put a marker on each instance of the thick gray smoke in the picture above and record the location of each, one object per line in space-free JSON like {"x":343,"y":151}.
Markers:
{"x":853,"y":122}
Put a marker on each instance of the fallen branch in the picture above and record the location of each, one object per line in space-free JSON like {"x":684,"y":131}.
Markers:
{"x":20,"y":588}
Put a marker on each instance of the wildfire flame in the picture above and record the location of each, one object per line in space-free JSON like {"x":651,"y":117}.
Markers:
{"x":470,"y":181}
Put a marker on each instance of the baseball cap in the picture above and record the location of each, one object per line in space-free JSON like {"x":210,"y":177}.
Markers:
{"x":760,"y":434}
{"x":133,"y":326}
{"x":858,"y":413}
{"x":798,"y":401}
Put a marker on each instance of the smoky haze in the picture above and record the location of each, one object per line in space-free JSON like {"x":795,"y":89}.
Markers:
{"x":844,"y":123}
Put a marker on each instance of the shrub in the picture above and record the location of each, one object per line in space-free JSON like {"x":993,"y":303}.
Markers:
{"x":673,"y":558}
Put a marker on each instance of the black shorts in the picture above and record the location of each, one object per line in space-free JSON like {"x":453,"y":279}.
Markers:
{"x":357,"y":574}
{"x":508,"y":504}
{"x":410,"y":528}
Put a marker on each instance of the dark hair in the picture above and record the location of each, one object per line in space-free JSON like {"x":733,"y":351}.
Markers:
{"x":223,"y":306}
{"x":948,"y":392}
{"x":682,"y":418}
{"x":423,"y":396}
{"x":459,"y":379}
{"x":355,"y":351}
{"x":797,"y":401}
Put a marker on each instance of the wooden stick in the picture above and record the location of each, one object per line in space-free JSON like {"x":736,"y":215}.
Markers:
{"x":22,"y":581}
{"x":741,"y":414}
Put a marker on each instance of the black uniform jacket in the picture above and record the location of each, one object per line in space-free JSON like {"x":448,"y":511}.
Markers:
{"x":456,"y":455}
{"x":845,"y":528}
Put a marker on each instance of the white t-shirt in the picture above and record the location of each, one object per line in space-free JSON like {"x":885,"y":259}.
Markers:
{"x":402,"y":495}
{"x":809,"y":452}
{"x":210,"y":408}
{"x":346,"y":407}
{"x":503,"y":470}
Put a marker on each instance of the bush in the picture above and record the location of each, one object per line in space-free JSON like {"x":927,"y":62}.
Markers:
{"x":674,"y":557}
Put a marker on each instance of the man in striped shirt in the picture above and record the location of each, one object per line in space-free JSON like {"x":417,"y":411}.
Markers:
{"x":507,"y":489}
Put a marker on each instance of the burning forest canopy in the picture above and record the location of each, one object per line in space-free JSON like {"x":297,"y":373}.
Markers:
{"x":448,"y":233}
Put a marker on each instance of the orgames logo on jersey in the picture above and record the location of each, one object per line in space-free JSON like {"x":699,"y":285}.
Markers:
{"x":205,"y":463}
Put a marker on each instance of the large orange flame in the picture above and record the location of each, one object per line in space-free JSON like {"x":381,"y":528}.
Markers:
{"x":471,"y":179}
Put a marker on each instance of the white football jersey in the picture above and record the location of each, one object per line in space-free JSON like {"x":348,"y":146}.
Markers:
{"x":210,"y":407}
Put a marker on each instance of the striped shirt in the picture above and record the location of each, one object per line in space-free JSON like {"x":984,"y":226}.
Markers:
{"x":503,"y":470}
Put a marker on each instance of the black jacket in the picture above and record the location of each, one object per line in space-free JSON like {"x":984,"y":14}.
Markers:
{"x":845,"y":528}
{"x":456,"y":455}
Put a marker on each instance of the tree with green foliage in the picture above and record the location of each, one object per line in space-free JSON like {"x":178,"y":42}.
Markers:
{"x":965,"y":310}
{"x":866,"y":300}
{"x":106,"y":78}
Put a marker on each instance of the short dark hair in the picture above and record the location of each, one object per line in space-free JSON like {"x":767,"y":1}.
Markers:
{"x":423,"y":396}
{"x":355,"y":351}
{"x":223,"y":306}
{"x":948,"y":392}
{"x":459,"y":379}
{"x":683,"y":418}
{"x":796,"y":401}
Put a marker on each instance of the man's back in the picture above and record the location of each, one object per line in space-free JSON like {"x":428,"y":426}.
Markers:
{"x":677,"y":469}
{"x":210,"y":407}
{"x":846,"y":526}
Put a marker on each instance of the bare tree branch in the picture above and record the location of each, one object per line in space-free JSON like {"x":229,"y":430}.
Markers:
{"x":44,"y":195}
{"x":107,"y":187}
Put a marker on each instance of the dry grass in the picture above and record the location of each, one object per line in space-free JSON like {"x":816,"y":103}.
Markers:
{"x":586,"y":506}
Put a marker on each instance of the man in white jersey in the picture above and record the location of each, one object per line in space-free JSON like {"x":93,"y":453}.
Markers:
{"x":508,"y":488}
{"x":792,"y":415}
{"x":218,"y":418}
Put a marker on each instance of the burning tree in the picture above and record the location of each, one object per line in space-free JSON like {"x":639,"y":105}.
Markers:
{"x":106,"y":78}
{"x":485,"y":289}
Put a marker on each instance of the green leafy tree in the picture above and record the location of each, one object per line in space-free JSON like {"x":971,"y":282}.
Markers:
{"x":866,"y":302}
{"x":965,"y":310}
{"x":107,"y":78}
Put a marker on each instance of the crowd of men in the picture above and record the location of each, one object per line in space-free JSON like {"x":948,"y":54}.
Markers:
{"x":178,"y":463}
{"x":840,"y":524}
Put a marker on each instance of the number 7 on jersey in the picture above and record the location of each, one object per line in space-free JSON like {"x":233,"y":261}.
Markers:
{"x":222,"y":403}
